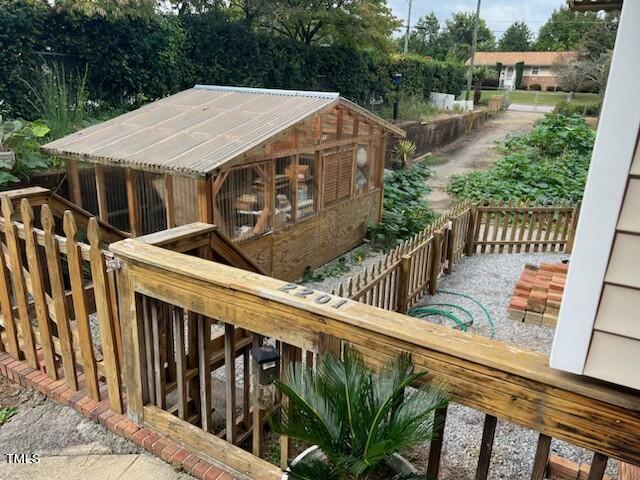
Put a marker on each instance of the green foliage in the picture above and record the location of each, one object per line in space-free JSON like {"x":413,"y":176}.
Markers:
{"x":24,"y":140}
{"x":549,"y":163}
{"x":60,"y":100}
{"x":332,"y":269}
{"x":565,"y":29}
{"x":458,"y":36}
{"x":426,"y":39}
{"x":403,"y":152}
{"x":357,"y":418}
{"x":569,"y":108}
{"x":535,"y":86}
{"x":519,"y":72}
{"x":406,"y":212}
{"x":517,"y":38}
{"x":6,"y":413}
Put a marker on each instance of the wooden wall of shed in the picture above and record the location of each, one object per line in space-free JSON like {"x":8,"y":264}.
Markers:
{"x":286,"y":253}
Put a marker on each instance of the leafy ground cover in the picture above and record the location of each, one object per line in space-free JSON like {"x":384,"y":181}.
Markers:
{"x":406,"y":212}
{"x":549,"y":163}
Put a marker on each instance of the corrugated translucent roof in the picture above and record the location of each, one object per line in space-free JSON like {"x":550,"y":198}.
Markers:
{"x":198,"y":130}
{"x":594,"y":5}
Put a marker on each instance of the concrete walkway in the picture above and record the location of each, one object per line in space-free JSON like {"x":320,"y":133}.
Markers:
{"x":475,"y":151}
{"x":518,"y":107}
{"x":68,"y":445}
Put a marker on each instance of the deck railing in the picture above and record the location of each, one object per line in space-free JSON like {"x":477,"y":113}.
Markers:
{"x":506,"y":383}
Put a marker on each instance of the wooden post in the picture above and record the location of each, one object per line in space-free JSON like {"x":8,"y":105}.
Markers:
{"x":258,"y":404}
{"x":598,"y":466}
{"x":471,"y":232}
{"x":285,"y":444}
{"x":132,"y":202}
{"x":486,"y":447}
{"x":169,"y":201}
{"x":451,"y":246}
{"x":436,"y":255}
{"x":12,"y":344}
{"x":230,"y":381}
{"x":542,"y":457}
{"x":205,"y":202}
{"x":105,"y":317}
{"x":76,"y":277}
{"x":204,"y":371}
{"x":330,"y":345}
{"x":403,"y":284}
{"x":571,"y":234}
{"x":435,"y":447}
{"x":132,"y":336}
{"x":101,"y":193}
{"x":73,"y":178}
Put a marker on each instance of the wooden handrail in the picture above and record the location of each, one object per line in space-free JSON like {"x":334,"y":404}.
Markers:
{"x":496,"y":378}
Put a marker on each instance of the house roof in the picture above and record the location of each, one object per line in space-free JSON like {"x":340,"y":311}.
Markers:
{"x":529,"y":58}
{"x":200,"y":129}
{"x":594,"y":5}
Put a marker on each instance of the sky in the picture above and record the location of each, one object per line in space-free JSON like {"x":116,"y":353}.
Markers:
{"x":498,"y":14}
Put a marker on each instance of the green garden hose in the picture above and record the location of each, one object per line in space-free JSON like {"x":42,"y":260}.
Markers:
{"x":424,"y":311}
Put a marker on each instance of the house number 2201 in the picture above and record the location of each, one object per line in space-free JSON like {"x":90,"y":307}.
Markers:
{"x":319,"y":298}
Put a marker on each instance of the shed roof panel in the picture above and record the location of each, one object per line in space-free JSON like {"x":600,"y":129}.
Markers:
{"x":198,"y":130}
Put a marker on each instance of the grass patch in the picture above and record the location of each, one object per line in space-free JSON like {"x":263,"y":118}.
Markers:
{"x":6,"y":413}
{"x":530,"y":97}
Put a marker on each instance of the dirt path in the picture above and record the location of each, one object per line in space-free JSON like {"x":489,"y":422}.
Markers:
{"x":474,"y":152}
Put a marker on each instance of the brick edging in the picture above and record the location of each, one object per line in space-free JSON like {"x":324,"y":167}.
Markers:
{"x":21,"y":373}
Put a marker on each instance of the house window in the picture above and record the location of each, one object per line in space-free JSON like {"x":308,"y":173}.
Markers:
{"x":306,"y":186}
{"x":363,"y":169}
{"x":242,"y":203}
{"x":338,"y":169}
{"x":535,"y":70}
{"x":285,"y":179}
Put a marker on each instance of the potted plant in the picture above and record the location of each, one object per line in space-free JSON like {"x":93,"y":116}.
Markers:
{"x":357,"y":421}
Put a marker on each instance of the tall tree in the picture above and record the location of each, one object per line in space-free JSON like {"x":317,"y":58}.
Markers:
{"x":426,"y":38}
{"x":564,"y":30}
{"x":108,"y":8}
{"x":347,"y":22}
{"x":458,"y":36}
{"x":517,"y":38}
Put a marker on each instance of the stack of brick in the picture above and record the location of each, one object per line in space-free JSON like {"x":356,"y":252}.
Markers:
{"x":538,"y":294}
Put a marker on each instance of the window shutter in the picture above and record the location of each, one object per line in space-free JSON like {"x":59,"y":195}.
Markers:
{"x":337,"y":176}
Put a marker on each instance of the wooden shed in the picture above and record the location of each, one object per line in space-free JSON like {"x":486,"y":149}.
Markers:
{"x":293,"y":177}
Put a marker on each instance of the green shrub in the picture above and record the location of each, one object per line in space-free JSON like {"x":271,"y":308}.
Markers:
{"x":550,"y":88}
{"x":535,"y":86}
{"x":549,"y":163}
{"x":569,"y":108}
{"x":406,"y":212}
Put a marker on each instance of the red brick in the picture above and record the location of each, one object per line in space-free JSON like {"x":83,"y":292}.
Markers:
{"x":44,"y":385}
{"x":113,"y":421}
{"x":159,"y":446}
{"x":140,"y":435}
{"x":200,"y":468}
{"x":168,"y":451}
{"x":75,"y":398}
{"x":131,"y":429}
{"x":122,"y":425}
{"x":212,"y":474}
{"x":189,"y":462}
{"x":106,"y":415}
{"x":32,"y":376}
{"x":102,"y":407}
{"x":55,"y":393}
{"x":148,"y":442}
{"x":88,"y":407}
{"x":64,"y":396}
{"x":225,"y":476}
{"x":179,"y":456}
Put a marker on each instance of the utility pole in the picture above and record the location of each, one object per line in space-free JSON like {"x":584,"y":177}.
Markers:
{"x":406,"y":35}
{"x":474,"y":45}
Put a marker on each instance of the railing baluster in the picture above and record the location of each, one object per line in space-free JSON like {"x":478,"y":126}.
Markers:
{"x":230,"y":380}
{"x":435,"y":447}
{"x":181,"y":362}
{"x":258,"y":410}
{"x":204,"y":370}
{"x":488,"y":434}
{"x":542,"y":457}
{"x":598,"y":466}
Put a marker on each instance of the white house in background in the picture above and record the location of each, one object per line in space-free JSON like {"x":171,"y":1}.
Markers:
{"x":539,"y":67}
{"x":598,"y":332}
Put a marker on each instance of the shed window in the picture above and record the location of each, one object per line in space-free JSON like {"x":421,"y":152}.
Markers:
{"x":535,"y":70}
{"x":306,"y":185}
{"x":285,"y":178}
{"x":242,"y":202}
{"x":363,"y":169}
{"x":338,"y":169}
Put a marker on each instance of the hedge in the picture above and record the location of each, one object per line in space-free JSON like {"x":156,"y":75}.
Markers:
{"x":132,"y":60}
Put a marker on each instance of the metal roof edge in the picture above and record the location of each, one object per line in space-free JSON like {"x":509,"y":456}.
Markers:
{"x":373,"y":117}
{"x":269,"y":91}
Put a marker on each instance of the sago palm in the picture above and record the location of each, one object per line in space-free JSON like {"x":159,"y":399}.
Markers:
{"x":357,"y":418}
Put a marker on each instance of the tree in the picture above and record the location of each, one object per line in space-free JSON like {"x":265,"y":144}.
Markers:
{"x":458,"y":36}
{"x":426,"y":39}
{"x":565,"y":29}
{"x":108,"y":8}
{"x":517,"y":38}
{"x":345,"y":22}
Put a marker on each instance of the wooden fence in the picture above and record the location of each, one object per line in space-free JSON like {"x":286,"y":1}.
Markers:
{"x":412,"y":269}
{"x":58,"y":298}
